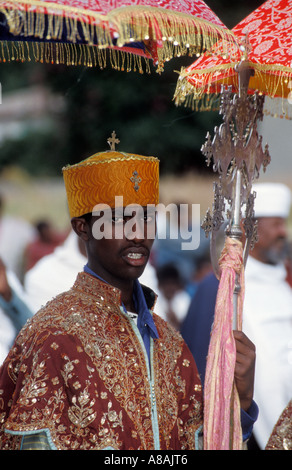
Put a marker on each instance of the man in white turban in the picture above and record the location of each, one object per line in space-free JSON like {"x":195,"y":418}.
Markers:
{"x":267,"y":317}
{"x":267,"y":310}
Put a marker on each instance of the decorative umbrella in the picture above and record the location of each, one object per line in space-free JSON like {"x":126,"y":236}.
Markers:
{"x":81,"y":31}
{"x":265,"y":37}
{"x":261,"y":66}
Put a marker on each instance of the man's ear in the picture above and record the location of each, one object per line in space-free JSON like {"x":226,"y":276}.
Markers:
{"x":81,"y":227}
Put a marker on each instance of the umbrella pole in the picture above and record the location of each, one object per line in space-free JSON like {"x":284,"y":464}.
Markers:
{"x":244,"y":74}
{"x":235,"y":232}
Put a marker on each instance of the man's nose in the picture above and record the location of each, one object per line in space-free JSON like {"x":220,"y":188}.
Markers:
{"x":134,"y":229}
{"x":283,"y":229}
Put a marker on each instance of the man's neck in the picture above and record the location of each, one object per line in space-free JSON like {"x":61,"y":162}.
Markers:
{"x":127,"y":300}
{"x":125,"y":286}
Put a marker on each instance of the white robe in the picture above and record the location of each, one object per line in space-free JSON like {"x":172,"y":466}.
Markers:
{"x":54,"y":273}
{"x":267,"y":321}
{"x":15,"y":235}
{"x":7,"y":328}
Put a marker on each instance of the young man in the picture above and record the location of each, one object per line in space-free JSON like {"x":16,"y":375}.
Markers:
{"x":96,"y":368}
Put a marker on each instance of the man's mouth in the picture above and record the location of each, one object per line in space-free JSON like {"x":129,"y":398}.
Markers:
{"x":136,"y":256}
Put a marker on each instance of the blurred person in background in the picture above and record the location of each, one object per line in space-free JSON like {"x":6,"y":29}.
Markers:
{"x":14,"y":309}
{"x":267,"y":310}
{"x":15,"y":234}
{"x":174,"y":226}
{"x":56,"y":272}
{"x":47,"y":239}
{"x":203,"y":267}
{"x":174,"y":298}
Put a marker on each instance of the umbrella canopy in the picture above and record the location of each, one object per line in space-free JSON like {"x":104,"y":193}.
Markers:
{"x":157,"y":30}
{"x":265,"y":43}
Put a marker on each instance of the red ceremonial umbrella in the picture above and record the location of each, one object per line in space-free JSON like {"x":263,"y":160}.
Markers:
{"x":80,"y":31}
{"x":266,"y":44}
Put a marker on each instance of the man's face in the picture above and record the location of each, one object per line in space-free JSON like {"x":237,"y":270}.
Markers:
{"x":119,"y":246}
{"x":272,"y":239}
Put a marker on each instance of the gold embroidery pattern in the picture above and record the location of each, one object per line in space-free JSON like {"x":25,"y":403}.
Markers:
{"x":173,"y":400}
{"x":281,"y":437}
{"x":81,"y":373}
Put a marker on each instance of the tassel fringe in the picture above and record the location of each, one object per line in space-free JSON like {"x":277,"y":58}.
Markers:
{"x":200,"y":89}
{"x":72,"y":55}
{"x":164,"y":32}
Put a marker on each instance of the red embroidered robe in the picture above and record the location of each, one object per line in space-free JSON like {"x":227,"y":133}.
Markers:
{"x":79,"y":372}
{"x":281,"y":437}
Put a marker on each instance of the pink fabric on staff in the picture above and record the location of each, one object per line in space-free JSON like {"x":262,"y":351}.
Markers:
{"x":222,"y":427}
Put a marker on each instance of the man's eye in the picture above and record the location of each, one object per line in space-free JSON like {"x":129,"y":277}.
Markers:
{"x":118,"y":220}
{"x":148,"y":218}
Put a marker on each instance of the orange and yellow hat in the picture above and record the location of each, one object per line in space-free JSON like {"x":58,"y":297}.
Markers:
{"x":105,"y":175}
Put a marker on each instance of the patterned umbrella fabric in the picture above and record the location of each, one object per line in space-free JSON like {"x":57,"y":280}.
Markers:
{"x":81,"y":31}
{"x":266,"y":43}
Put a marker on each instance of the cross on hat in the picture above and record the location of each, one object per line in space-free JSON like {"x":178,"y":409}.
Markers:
{"x":136,"y":180}
{"x":112,"y":141}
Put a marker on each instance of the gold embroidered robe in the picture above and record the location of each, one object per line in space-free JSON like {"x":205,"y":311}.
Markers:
{"x":281,"y":437}
{"x":79,"y":372}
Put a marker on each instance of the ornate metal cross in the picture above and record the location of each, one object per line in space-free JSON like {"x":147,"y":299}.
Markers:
{"x":237,"y":155}
{"x":136,"y":180}
{"x":112,"y":141}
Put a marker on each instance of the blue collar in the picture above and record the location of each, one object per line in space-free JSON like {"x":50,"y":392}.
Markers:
{"x":145,"y":319}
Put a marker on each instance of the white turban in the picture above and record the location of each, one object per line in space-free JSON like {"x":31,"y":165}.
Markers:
{"x":272,"y":200}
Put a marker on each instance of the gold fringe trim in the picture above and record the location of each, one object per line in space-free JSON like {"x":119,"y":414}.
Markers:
{"x":179,"y":33}
{"x":274,"y":81}
{"x":88,"y":161}
{"x":72,"y":55}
